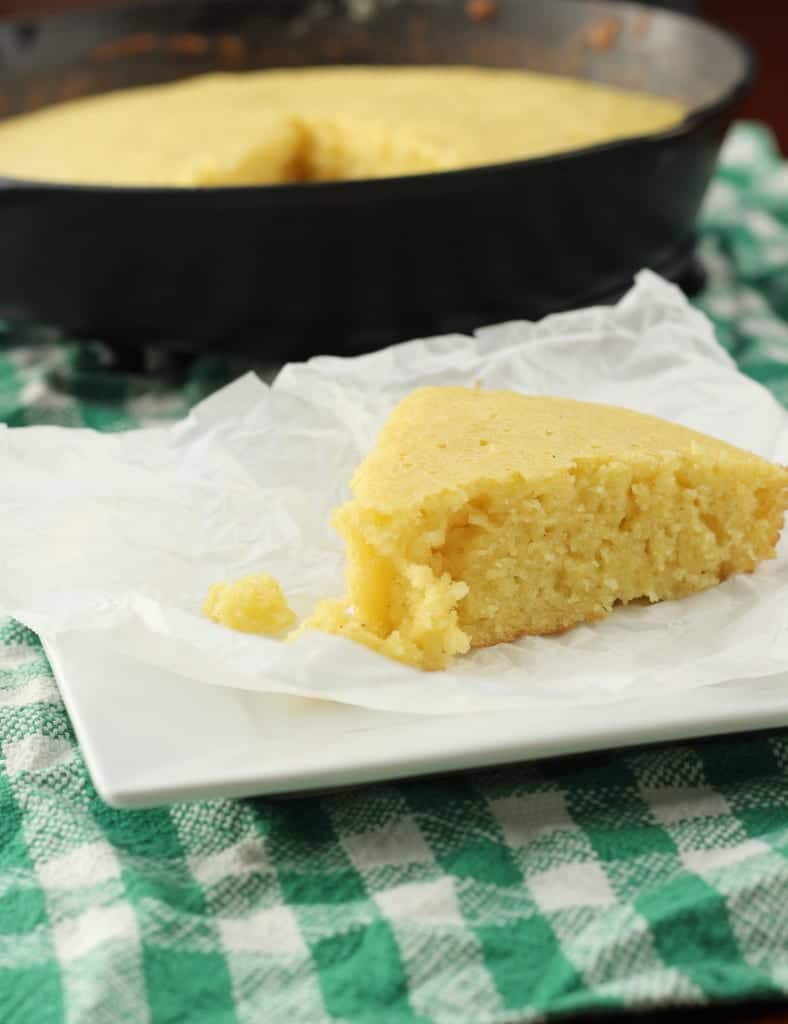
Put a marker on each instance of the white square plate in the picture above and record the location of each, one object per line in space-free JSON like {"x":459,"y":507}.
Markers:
{"x":149,"y":737}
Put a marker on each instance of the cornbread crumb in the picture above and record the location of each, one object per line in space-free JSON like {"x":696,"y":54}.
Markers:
{"x":482,"y":516}
{"x":252,"y":604}
{"x":426,"y":633}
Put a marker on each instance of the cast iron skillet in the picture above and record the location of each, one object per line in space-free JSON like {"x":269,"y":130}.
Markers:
{"x":341,"y":267}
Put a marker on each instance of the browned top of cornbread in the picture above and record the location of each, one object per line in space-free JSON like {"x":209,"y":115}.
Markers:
{"x":448,"y":438}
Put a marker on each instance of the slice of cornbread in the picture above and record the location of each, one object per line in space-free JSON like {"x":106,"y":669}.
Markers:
{"x":485,"y":515}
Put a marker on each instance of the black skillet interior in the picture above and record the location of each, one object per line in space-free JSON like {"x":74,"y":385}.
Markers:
{"x":289,"y":270}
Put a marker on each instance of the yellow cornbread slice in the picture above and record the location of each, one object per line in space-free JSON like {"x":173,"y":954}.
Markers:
{"x":251,"y":604}
{"x":321,"y":124}
{"x":482,"y":516}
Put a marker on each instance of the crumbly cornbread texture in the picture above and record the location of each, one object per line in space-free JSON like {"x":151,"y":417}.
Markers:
{"x":481,"y":516}
{"x":320,"y":124}
{"x":251,"y":604}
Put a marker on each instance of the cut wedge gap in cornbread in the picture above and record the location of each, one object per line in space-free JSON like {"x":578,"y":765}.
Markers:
{"x":304,"y":150}
{"x":482,"y":516}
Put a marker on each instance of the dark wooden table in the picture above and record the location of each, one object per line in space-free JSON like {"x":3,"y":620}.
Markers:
{"x":764,"y":24}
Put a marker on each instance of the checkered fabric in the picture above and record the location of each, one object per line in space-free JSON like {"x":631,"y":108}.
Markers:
{"x":642,"y":878}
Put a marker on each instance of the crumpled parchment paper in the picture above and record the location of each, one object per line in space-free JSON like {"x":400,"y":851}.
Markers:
{"x":121,"y":534}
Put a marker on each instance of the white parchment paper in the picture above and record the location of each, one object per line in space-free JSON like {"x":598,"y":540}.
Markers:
{"x":119,"y":535}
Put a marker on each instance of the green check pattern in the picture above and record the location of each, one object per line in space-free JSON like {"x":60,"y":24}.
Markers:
{"x":630,"y":879}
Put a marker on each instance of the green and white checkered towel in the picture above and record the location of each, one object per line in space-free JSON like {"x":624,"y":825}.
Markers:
{"x":632,"y":879}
